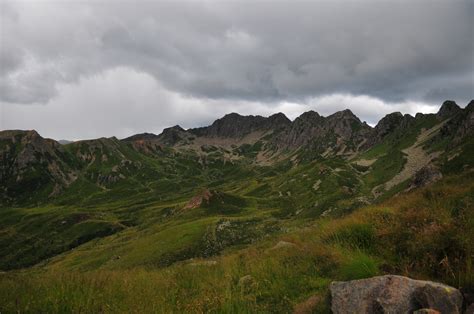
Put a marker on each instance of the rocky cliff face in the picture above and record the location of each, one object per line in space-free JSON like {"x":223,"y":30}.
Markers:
{"x":394,"y":124}
{"x":234,"y":125}
{"x":29,"y":163}
{"x":459,"y":124}
{"x":341,"y":132}
{"x":448,"y":109}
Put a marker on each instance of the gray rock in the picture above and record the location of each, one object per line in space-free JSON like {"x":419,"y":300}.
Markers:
{"x":448,"y":109}
{"x":425,"y":176}
{"x":393,"y":294}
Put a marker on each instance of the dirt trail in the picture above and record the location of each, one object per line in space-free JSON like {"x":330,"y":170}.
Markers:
{"x":416,"y":158}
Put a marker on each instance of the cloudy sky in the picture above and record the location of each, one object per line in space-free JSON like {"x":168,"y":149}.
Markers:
{"x":85,"y":69}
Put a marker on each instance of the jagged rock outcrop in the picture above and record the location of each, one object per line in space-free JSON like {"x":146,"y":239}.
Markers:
{"x":425,"y":176}
{"x":393,"y":294}
{"x":393,"y":124}
{"x":448,"y":109}
{"x":173,"y":135}
{"x":29,"y":162}
{"x":341,"y":132}
{"x":234,"y":125}
{"x":460,"y":124}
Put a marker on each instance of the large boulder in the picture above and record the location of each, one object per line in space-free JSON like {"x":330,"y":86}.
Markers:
{"x":393,"y":294}
{"x":425,"y":176}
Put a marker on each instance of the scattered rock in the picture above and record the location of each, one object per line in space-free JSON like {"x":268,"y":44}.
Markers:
{"x":393,"y":294}
{"x":326,"y":213}
{"x":316,"y":185}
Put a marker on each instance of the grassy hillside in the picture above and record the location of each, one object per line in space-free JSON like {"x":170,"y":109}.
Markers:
{"x":424,"y":234}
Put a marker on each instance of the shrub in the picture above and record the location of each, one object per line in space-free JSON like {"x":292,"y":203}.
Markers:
{"x":358,"y":266}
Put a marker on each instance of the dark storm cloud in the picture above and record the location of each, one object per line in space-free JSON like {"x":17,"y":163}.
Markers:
{"x":245,"y":50}
{"x":224,"y":52}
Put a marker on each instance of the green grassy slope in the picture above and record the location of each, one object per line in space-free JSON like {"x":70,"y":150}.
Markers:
{"x":425,"y":234}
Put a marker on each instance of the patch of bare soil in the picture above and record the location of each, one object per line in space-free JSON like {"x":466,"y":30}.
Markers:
{"x":365,"y":162}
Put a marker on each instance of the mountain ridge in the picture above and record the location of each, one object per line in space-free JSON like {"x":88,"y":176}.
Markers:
{"x":233,"y":138}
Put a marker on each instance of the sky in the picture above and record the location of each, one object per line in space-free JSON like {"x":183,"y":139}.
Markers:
{"x":87,"y":69}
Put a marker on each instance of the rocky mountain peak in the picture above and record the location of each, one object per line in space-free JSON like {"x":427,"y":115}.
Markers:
{"x":172,"y":135}
{"x":389,"y":123}
{"x":309,"y":116}
{"x":141,"y":137}
{"x":234,"y":125}
{"x":175,"y":128}
{"x":448,"y":109}
{"x":343,"y":114}
{"x":279,"y":119}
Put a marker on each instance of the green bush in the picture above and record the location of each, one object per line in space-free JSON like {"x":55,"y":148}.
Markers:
{"x":358,"y":266}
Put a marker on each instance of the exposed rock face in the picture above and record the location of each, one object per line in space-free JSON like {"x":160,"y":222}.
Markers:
{"x":448,"y":109}
{"x":385,"y":126}
{"x":234,"y":125}
{"x":198,"y":200}
{"x":393,"y":294}
{"x":425,"y":176}
{"x":301,"y":130}
{"x":341,"y":132}
{"x":28,"y":160}
{"x":392,"y":124}
{"x":460,"y":124}
{"x":172,"y":135}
